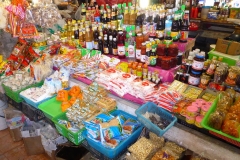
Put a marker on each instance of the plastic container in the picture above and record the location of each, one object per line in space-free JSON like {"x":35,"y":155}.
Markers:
{"x":74,"y":137}
{"x":32,"y":113}
{"x":51,"y":108}
{"x":35,"y":104}
{"x":204,"y":12}
{"x":16,"y":95}
{"x":153,"y":108}
{"x":14,"y":104}
{"x":233,"y":140}
{"x":3,"y":124}
{"x":112,"y":153}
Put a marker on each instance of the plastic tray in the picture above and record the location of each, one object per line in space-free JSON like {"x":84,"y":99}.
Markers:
{"x":16,"y":105}
{"x":153,"y":108}
{"x":35,"y":104}
{"x":51,"y":108}
{"x":75,"y":137}
{"x":217,"y":133}
{"x":113,"y":153}
{"x":16,"y":95}
{"x":32,"y":113}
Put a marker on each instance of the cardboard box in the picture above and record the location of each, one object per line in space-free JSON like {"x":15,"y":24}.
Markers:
{"x":228,"y":47}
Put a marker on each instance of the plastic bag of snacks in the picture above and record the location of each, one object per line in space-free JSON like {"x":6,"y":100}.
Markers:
{"x":3,"y":14}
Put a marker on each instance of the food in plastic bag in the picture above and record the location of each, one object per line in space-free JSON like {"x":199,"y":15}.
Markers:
{"x":215,"y":120}
{"x":62,"y":96}
{"x":74,"y":91}
{"x":231,"y":127}
{"x":102,"y":118}
{"x":72,"y":100}
{"x":65,"y":105}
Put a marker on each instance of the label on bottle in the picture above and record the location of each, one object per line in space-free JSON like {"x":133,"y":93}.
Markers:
{"x":183,"y":35}
{"x":143,"y":58}
{"x":139,"y":74}
{"x":174,"y":35}
{"x":167,"y":42}
{"x":95,"y":45}
{"x":138,"y":54}
{"x":105,"y":50}
{"x":89,"y":45}
{"x":197,"y":65}
{"x":153,"y":60}
{"x":160,"y":33}
{"x":131,"y":51}
{"x":193,"y":80}
{"x":115,"y":51}
{"x":121,"y":50}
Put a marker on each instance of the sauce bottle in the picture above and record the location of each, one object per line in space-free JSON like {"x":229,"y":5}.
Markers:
{"x":145,"y":36}
{"x":143,"y":52}
{"x":121,"y":47}
{"x":131,"y":48}
{"x":114,"y":32}
{"x":138,"y":24}
{"x":148,"y":52}
{"x":145,"y":71}
{"x":134,"y":69}
{"x":126,"y":16}
{"x":100,"y":44}
{"x":104,"y":19}
{"x":110,"y":45}
{"x":114,"y":47}
{"x":168,"y":39}
{"x":132,"y":16}
{"x":95,"y":36}
{"x":139,"y":71}
{"x":83,"y":11}
{"x":160,"y":29}
{"x":184,"y":31}
{"x":81,"y":40}
{"x":105,"y":46}
{"x":88,"y":39}
{"x":109,"y":32}
{"x":175,"y":30}
{"x":76,"y":32}
{"x":130,"y":67}
{"x":153,"y":54}
{"x":108,"y":16}
{"x":139,"y":41}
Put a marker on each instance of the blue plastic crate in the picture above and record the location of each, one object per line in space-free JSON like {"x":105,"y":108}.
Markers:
{"x":34,"y":104}
{"x":153,"y":108}
{"x":112,"y":153}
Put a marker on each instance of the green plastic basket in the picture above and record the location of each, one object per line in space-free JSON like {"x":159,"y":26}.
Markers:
{"x":74,"y":137}
{"x":217,"y":133}
{"x":51,"y":108}
{"x":16,"y":95}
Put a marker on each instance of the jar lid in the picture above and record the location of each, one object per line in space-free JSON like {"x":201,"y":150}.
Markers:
{"x":194,"y":72}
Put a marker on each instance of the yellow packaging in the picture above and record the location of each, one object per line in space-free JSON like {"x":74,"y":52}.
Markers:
{"x":123,"y":67}
{"x":1,"y":58}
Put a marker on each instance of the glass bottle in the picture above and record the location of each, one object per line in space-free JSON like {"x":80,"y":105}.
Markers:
{"x":114,"y":47}
{"x":132,"y":16}
{"x":131,"y":48}
{"x":88,"y":39}
{"x":114,"y":32}
{"x":126,"y":16}
{"x":143,"y":53}
{"x":121,"y":46}
{"x":110,"y":45}
{"x":100,"y":44}
{"x":139,"y":41}
{"x":105,"y":46}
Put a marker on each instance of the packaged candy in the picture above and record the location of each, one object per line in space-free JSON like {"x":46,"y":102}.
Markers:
{"x":74,"y":91}
{"x":62,"y":96}
{"x":92,"y":130}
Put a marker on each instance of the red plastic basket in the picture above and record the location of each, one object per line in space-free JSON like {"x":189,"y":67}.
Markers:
{"x":236,"y":143}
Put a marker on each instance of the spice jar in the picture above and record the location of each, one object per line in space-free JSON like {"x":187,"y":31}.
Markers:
{"x":211,"y":68}
{"x":194,"y":78}
{"x":161,"y":50}
{"x":172,"y":50}
{"x":232,"y":76}
{"x":204,"y":81}
{"x":198,"y":62}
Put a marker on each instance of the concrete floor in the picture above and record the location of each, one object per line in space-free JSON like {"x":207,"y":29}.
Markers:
{"x":10,"y":150}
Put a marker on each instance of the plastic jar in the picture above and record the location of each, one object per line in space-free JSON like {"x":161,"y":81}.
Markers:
{"x":198,"y":121}
{"x":194,"y":78}
{"x":198,"y":62}
{"x":161,"y":50}
{"x":172,"y":50}
{"x":192,"y":111}
{"x":190,"y":120}
{"x":204,"y":110}
{"x":166,"y":62}
{"x":204,"y":12}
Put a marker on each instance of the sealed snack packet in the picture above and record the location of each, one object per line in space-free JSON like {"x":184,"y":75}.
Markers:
{"x":111,"y":133}
{"x":102,"y":118}
{"x":121,"y":119}
{"x":92,"y":131}
{"x":130,"y":126}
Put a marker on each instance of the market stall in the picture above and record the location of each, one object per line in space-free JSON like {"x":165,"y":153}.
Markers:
{"x":123,"y":82}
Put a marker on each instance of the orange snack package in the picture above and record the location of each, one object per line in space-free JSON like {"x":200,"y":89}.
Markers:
{"x":62,"y":96}
{"x":74,"y":91}
{"x":72,"y":100}
{"x":65,"y":106}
